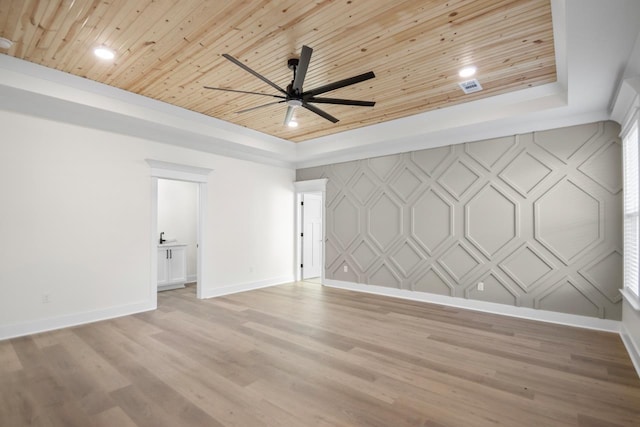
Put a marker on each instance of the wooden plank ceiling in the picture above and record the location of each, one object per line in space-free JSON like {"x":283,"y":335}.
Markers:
{"x":169,"y":49}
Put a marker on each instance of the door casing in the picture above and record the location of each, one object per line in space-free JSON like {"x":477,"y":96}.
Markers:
{"x":200,"y":176}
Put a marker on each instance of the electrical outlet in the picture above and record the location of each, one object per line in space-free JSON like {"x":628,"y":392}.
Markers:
{"x":481,"y":286}
{"x":346,"y":268}
{"x":46,"y":298}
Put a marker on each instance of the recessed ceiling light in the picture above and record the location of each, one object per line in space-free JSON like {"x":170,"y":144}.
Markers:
{"x":292,"y":124}
{"x":5,"y":43}
{"x":104,"y":53}
{"x":467,"y":71}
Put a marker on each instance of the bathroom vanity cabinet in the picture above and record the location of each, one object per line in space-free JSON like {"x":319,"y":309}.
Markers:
{"x":172,"y":266}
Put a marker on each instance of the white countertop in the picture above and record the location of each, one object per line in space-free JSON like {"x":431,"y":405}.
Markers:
{"x":171,"y":245}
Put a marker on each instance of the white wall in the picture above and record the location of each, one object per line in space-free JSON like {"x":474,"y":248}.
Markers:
{"x":178,"y":217}
{"x":75,"y":222}
{"x":253,"y":208}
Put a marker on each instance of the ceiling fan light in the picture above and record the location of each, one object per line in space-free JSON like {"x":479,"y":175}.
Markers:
{"x":292,"y":124}
{"x":467,"y":71}
{"x":103,"y":52}
{"x":294,"y":102}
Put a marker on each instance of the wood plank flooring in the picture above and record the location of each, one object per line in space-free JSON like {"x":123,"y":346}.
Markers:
{"x":303,"y":355}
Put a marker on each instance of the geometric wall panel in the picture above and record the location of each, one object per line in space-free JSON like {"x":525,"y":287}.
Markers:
{"x":331,"y":253}
{"x":309,"y":173}
{"x":430,"y":160}
{"x":495,"y":290}
{"x":363,"y":188}
{"x":431,"y":220}
{"x":527,"y":267}
{"x":524,"y":173}
{"x":338,"y":272}
{"x":558,"y":143}
{"x":605,"y":274}
{"x":567,"y":220}
{"x":407,"y":258}
{"x":459,"y":261}
{"x":346,"y":222}
{"x":566,"y":297}
{"x":600,"y":167}
{"x":405,"y":184}
{"x":384,"y":276}
{"x":433,"y":282}
{"x":457,"y":179}
{"x":385,"y":221}
{"x":343,"y":171}
{"x":332,"y":191}
{"x":383,"y":166}
{"x":364,"y":255}
{"x":488,"y":152}
{"x":518,"y":213}
{"x":490,"y":220}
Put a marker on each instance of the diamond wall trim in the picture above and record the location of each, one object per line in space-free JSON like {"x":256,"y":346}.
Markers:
{"x":425,"y":220}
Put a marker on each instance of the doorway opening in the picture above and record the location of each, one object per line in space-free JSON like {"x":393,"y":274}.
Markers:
{"x":310,"y":230}
{"x":178,"y":235}
{"x":188,"y":174}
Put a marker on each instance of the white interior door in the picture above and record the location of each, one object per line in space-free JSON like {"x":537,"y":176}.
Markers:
{"x":311,"y":235}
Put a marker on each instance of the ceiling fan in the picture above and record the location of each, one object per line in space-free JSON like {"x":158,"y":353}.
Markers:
{"x":294,"y":96}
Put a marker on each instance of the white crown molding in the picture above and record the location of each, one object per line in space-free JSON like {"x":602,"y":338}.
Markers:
{"x":626,"y":106}
{"x":441,"y":122}
{"x":581,"y":94}
{"x":543,"y":120}
{"x":36,"y":90}
{"x":593,"y":41}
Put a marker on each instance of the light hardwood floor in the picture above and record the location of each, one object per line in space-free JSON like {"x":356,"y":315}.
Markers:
{"x":303,"y":355}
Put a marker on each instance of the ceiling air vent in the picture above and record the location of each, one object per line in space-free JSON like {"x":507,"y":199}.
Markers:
{"x":470,"y":86}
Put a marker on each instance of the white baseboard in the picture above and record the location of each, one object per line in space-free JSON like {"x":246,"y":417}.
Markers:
{"x":632,"y":347}
{"x":487,"y":307}
{"x":52,"y":323}
{"x":242,"y":287}
{"x":192,"y":278}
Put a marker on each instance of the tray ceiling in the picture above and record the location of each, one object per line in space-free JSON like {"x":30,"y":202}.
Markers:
{"x":168,"y":50}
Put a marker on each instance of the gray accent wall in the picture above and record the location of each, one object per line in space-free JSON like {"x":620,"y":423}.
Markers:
{"x":536,"y":217}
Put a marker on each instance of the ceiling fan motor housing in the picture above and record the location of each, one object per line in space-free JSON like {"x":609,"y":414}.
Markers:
{"x":294,"y":96}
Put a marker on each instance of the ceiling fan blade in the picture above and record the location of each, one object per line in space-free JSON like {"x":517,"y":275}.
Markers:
{"x":249,"y":70}
{"x":260,"y":106}
{"x":243,"y":91}
{"x":320,"y":112}
{"x":289,"y":115}
{"x":301,"y":69}
{"x":341,"y":101}
{"x":337,"y":85}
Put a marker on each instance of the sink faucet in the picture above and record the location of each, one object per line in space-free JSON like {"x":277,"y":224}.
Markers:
{"x":162,"y":240}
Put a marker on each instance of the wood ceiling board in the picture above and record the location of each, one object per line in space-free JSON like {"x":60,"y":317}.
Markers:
{"x":168,"y":50}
